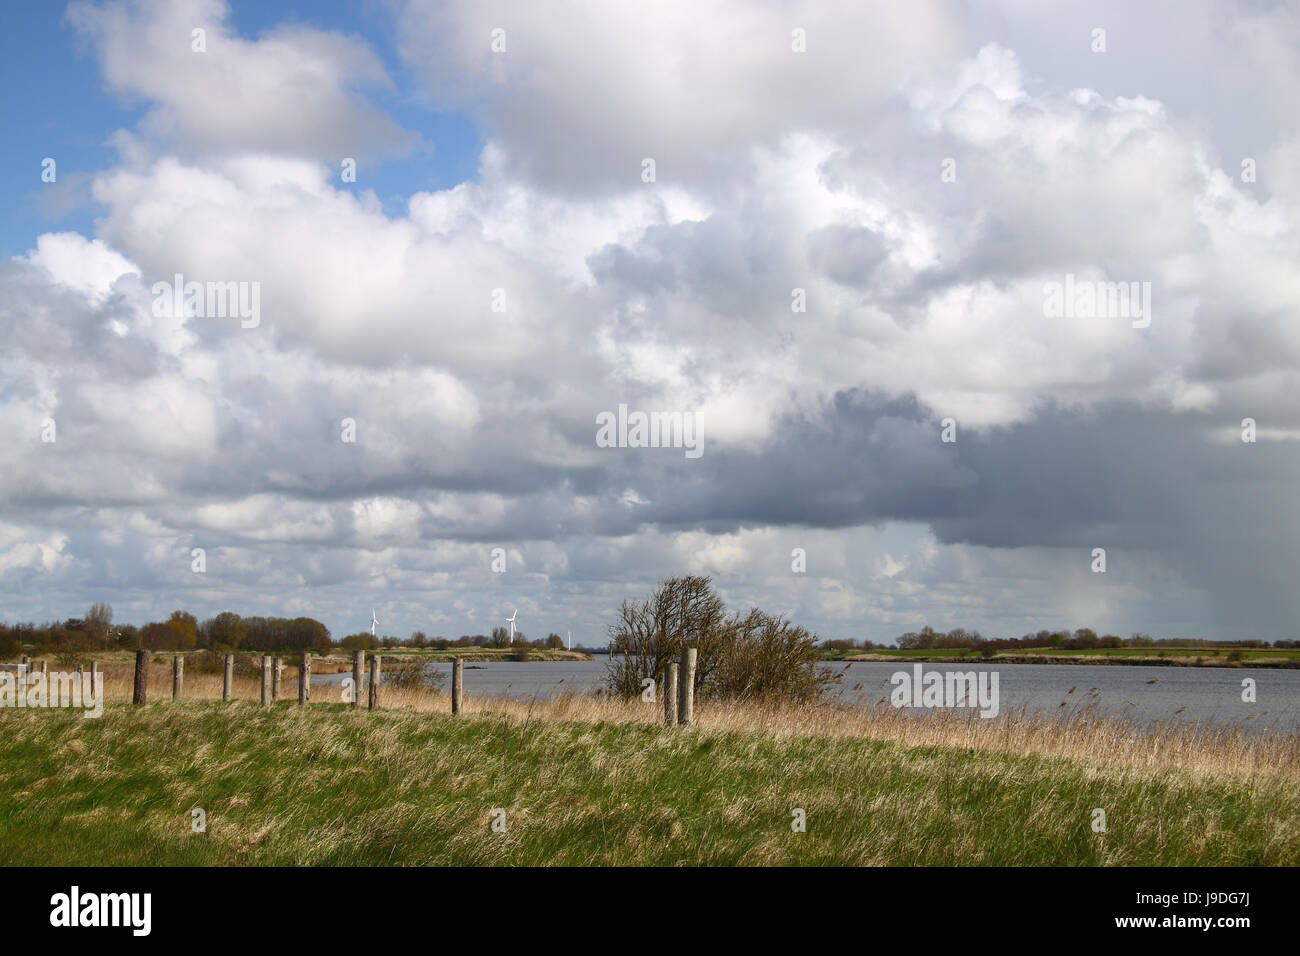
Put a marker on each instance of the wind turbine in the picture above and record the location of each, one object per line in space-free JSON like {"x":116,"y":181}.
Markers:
{"x":511,"y":621}
{"x":373,"y":622}
{"x":570,"y":640}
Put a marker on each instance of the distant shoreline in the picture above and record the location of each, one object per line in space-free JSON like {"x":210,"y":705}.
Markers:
{"x":479,"y":654}
{"x":1183,"y":660}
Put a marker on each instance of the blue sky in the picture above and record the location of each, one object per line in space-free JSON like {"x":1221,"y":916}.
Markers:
{"x":61,"y":110}
{"x":519,"y":171}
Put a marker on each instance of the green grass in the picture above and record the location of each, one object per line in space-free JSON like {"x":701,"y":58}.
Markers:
{"x":335,"y":786}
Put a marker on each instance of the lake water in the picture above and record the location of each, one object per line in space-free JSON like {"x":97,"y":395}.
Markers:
{"x":1180,"y":694}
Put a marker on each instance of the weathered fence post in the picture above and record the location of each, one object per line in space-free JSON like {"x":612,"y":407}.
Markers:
{"x":374,"y":681}
{"x":358,"y":665}
{"x":457,"y":684}
{"x":140,"y":692}
{"x":178,"y":677}
{"x":266,"y":680}
{"x":686,"y":687}
{"x":94,"y":678}
{"x":276,"y":668}
{"x":669,"y":690}
{"x":304,"y":679}
{"x":45,"y":670}
{"x":228,"y":677}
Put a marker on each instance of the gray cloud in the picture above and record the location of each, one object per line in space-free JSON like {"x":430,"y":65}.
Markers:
{"x":476,"y":427}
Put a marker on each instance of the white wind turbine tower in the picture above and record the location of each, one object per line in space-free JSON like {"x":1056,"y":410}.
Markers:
{"x":570,"y":640}
{"x":373,"y":622}
{"x":511,"y":621}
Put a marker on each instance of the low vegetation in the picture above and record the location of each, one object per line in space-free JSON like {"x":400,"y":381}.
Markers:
{"x":589,"y":780}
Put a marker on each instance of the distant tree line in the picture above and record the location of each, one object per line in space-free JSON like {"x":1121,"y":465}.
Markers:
{"x":1083,"y":638}
{"x":651,"y":624}
{"x":227,"y":632}
{"x":500,"y":637}
{"x":181,"y":631}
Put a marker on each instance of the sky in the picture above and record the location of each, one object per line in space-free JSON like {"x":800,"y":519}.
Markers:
{"x":825,"y":235}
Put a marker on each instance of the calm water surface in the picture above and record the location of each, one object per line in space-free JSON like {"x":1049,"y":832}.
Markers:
{"x":1180,"y":694}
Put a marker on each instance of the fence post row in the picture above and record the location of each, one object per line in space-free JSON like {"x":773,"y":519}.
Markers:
{"x":686,"y":687}
{"x":678,"y":686}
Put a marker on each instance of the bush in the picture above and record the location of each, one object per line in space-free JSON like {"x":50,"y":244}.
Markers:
{"x":363,"y":641}
{"x":757,"y":656}
{"x":412,"y":677}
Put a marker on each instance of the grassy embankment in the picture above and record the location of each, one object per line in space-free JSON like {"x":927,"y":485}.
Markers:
{"x":585,"y":780}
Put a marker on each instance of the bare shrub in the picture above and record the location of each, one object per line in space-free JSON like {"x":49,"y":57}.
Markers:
{"x":757,"y":656}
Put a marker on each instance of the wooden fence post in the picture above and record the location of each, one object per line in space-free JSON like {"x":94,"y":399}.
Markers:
{"x":669,"y":691}
{"x":304,"y":679}
{"x":276,"y":669}
{"x":686,"y":687}
{"x":228,"y":677}
{"x":266,"y":680}
{"x":374,"y":681}
{"x":140,"y":691}
{"x":358,"y":665}
{"x":457,"y":684}
{"x":94,"y":678}
{"x":178,"y":677}
{"x":45,"y":670}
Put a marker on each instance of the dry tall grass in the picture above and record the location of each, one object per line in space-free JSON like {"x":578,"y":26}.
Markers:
{"x":1082,"y":736}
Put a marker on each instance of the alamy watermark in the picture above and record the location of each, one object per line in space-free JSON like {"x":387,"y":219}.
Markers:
{"x":1098,"y":299}
{"x":636,"y":429}
{"x":946,"y":689}
{"x":21,"y":690}
{"x":208,"y":300}
{"x":75,"y":908}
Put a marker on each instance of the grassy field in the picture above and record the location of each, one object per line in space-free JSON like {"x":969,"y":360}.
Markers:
{"x":585,"y":780}
{"x":1191,"y":657}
